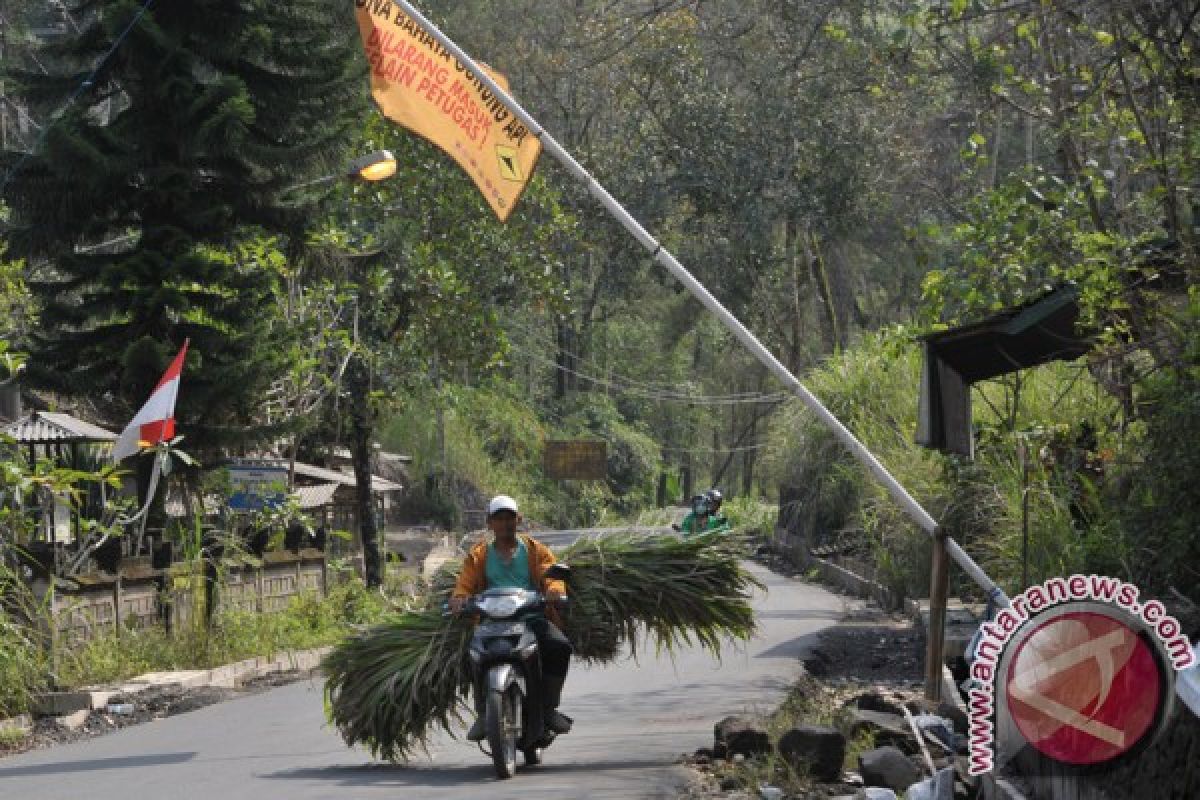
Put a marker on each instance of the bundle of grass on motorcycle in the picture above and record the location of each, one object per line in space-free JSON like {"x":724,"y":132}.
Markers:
{"x":392,"y":686}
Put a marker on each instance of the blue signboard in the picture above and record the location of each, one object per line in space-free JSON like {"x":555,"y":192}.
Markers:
{"x":257,"y":486}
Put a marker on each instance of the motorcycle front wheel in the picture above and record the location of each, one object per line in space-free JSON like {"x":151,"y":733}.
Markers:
{"x":503,"y":731}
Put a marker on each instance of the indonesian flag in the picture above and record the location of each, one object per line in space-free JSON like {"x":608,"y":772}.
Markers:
{"x":155,"y":422}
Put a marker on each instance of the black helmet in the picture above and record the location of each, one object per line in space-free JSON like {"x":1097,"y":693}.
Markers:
{"x":701,"y":504}
{"x":714,"y":498}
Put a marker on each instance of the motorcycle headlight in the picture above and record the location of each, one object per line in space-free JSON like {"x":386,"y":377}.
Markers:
{"x":499,"y":606}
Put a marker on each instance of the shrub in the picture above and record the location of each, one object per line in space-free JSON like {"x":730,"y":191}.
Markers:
{"x":873,"y":390}
{"x":23,"y":663}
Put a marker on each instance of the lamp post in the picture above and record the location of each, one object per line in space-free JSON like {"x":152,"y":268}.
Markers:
{"x":377,"y":166}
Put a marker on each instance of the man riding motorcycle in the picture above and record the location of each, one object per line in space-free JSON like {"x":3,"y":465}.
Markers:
{"x":508,"y":560}
{"x":703,"y":517}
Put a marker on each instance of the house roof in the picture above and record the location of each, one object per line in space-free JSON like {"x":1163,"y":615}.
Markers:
{"x":315,"y":496}
{"x":1040,"y":331}
{"x":44,"y":427}
{"x":344,"y":454}
{"x":333,"y":476}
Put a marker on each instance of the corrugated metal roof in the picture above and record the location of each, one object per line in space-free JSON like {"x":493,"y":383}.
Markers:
{"x":333,"y":476}
{"x":43,"y":427}
{"x":344,"y":454}
{"x":176,"y":510}
{"x":316,"y":496}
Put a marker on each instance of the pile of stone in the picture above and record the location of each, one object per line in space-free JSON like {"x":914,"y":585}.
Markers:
{"x":917,"y":751}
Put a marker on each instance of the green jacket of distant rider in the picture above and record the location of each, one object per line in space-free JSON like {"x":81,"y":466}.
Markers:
{"x":705,"y":516}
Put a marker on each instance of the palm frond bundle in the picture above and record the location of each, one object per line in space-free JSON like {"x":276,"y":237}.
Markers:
{"x":675,"y":591}
{"x":391,"y":686}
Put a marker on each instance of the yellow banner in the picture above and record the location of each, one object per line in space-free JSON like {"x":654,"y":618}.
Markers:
{"x":420,"y":85}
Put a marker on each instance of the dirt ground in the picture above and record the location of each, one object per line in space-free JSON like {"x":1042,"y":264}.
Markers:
{"x":871,"y":646}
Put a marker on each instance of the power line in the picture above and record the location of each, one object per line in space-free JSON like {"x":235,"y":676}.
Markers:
{"x":663,"y":397}
{"x":557,"y":417}
{"x":652,"y":391}
{"x":712,"y":450}
{"x":634,"y":382}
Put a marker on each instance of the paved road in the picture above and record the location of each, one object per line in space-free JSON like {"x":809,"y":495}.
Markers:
{"x":632,"y":722}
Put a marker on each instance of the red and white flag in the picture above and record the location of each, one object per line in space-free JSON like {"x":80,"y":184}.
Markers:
{"x":155,"y":422}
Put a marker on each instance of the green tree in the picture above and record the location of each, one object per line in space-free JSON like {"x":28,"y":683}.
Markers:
{"x":150,"y":203}
{"x":432,"y":275}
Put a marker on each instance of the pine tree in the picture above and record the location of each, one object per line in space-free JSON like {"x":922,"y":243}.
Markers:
{"x":176,"y":159}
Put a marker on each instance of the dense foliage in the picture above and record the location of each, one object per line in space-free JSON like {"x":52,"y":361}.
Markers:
{"x":830,"y":170}
{"x":146,"y":209}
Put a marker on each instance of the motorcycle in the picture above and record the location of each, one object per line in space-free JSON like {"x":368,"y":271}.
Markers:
{"x":507,"y":669}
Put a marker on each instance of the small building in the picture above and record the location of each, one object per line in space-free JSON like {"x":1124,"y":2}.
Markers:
{"x":334,"y":494}
{"x":1038,"y":332}
{"x":70,"y":443}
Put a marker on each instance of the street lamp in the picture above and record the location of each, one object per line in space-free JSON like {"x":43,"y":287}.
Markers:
{"x":375,"y":166}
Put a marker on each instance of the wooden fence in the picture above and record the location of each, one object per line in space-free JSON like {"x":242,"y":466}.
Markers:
{"x":141,"y":597}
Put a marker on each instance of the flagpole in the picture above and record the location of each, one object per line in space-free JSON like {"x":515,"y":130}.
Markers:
{"x":663,"y":257}
{"x":139,"y":518}
{"x":155,"y":472}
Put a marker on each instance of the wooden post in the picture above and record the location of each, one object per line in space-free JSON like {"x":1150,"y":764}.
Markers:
{"x":939,"y":587}
{"x":117,"y":603}
{"x":259,"y":587}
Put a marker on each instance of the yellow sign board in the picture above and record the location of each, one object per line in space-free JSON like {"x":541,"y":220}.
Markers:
{"x":420,"y":85}
{"x":576,"y":460}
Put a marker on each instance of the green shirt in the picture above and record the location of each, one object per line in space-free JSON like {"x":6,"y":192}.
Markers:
{"x":514,"y":574}
{"x":715,"y":522}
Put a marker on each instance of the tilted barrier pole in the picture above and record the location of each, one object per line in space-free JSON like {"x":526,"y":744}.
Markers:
{"x":942,"y":544}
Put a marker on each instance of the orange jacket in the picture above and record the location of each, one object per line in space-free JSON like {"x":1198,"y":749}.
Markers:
{"x":472,"y":578}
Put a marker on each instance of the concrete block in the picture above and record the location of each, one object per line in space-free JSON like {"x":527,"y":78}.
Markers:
{"x":55,"y":704}
{"x":233,"y":675}
{"x":73,"y":721}
{"x":100,"y":695}
{"x":962,"y":620}
{"x":185,"y":679}
{"x":21,"y":724}
{"x":267,"y":665}
{"x":294,"y":660}
{"x":305,"y":660}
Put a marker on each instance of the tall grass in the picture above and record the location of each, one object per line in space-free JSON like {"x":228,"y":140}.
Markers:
{"x":873,"y":389}
{"x":494,"y":442}
{"x":24,"y":662}
{"x":309,"y":621}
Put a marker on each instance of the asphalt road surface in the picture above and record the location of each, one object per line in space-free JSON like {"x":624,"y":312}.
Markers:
{"x":632,"y":721}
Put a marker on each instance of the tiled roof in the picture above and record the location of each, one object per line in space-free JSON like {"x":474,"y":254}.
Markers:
{"x":316,"y":496}
{"x":42,"y":427}
{"x":333,"y":476}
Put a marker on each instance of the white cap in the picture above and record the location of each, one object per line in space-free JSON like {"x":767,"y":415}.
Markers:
{"x":501,"y":502}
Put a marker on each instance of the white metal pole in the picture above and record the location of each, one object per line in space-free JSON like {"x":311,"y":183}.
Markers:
{"x":748,"y":339}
